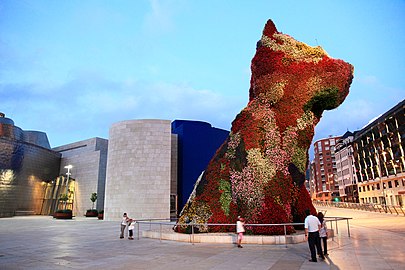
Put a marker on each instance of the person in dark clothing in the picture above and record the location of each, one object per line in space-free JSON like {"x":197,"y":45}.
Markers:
{"x":312,"y":226}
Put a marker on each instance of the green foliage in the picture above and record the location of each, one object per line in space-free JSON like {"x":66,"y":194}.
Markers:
{"x":63,"y":197}
{"x":299,"y":158}
{"x":326,"y":99}
{"x":93,"y":197}
{"x":226,"y":197}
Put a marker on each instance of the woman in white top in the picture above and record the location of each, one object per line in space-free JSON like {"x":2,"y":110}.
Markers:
{"x":323,"y":233}
{"x":240,"y":229}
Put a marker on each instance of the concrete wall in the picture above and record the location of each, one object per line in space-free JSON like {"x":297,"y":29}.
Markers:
{"x":139,"y":170}
{"x":89,"y":161}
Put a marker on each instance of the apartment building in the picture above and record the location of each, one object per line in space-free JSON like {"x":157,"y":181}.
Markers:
{"x":379,"y":158}
{"x":345,"y":168}
{"x":323,"y":171}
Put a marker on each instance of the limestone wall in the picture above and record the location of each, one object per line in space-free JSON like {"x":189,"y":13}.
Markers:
{"x":88,"y":158}
{"x":139,"y":170}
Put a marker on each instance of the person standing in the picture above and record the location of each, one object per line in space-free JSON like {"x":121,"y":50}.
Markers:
{"x":131,"y":228}
{"x":124,"y":224}
{"x":240,"y":229}
{"x":323,"y":234}
{"x":312,"y":226}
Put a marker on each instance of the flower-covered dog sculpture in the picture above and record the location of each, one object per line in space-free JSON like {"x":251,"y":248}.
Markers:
{"x":259,"y":171}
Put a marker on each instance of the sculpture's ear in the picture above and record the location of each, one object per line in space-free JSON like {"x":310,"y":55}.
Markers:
{"x":269,"y":28}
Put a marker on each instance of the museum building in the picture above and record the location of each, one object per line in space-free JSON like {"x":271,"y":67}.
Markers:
{"x":146,"y":168}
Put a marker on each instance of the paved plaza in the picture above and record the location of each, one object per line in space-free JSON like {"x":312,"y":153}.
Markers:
{"x":41,"y":242}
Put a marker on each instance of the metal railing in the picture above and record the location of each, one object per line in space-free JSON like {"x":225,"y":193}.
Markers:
{"x":371,"y":207}
{"x":169,"y":222}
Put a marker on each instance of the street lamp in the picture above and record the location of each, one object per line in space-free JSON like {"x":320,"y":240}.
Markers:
{"x":68,"y":167}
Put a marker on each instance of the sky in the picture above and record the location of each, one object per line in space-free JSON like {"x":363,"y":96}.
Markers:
{"x":73,"y":68}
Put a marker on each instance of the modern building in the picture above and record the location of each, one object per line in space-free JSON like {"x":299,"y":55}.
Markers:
{"x":345,"y":169}
{"x":323,"y":181}
{"x":147,"y":168}
{"x":379,"y":158}
{"x":153,"y":164}
{"x":27,"y":164}
{"x":197,"y":144}
{"x":88,"y":162}
{"x":139,"y":169}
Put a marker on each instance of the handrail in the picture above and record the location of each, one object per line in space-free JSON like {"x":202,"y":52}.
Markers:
{"x":193,"y":224}
{"x":371,"y":207}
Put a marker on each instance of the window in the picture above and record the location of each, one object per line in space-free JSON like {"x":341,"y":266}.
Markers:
{"x":396,"y":183}
{"x":389,"y":184}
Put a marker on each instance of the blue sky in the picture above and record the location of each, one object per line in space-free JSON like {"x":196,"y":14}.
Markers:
{"x":72,"y":68}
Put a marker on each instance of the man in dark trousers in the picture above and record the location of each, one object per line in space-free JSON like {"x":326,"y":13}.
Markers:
{"x":312,"y":227}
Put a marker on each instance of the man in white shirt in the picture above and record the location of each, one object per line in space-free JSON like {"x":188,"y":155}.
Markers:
{"x":312,"y":227}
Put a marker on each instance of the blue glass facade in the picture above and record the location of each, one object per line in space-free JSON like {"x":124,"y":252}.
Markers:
{"x":197,"y":144}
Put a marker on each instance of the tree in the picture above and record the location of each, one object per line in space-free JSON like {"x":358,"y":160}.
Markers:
{"x":93,"y":198}
{"x":64,"y":198}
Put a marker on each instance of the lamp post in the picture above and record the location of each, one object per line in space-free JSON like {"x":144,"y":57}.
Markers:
{"x":68,"y":167}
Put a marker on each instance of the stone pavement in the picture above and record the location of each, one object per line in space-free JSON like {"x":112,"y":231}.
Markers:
{"x":40,"y":242}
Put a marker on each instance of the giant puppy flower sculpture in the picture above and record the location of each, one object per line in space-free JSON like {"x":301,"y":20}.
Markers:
{"x":259,"y":171}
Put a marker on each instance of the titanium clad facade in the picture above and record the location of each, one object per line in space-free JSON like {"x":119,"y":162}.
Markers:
{"x":25,"y":168}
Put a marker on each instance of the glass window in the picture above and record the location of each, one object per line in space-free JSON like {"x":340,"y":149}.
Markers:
{"x":391,"y":124}
{"x":400,"y":116}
